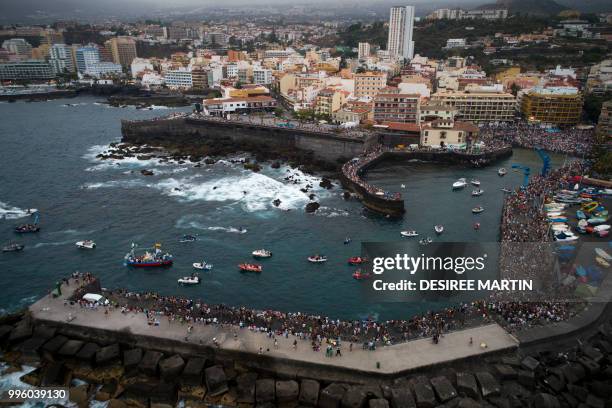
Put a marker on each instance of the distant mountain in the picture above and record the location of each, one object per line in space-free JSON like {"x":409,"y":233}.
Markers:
{"x":533,"y":7}
{"x":588,"y":6}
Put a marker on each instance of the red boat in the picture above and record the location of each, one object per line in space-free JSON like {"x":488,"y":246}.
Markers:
{"x":246,"y":267}
{"x":359,"y":275}
{"x":357,"y":260}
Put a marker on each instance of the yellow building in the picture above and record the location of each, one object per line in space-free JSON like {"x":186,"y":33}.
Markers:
{"x":510,"y":72}
{"x":558,"y":105}
{"x":123,"y":50}
{"x":479,"y":106}
{"x":369,"y":83}
{"x":328,"y":101}
{"x":286,"y":83}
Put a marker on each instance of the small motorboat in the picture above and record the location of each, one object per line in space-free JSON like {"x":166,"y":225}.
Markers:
{"x":203,"y":266}
{"x":403,"y":186}
{"x":565,"y":236}
{"x":408,"y":234}
{"x":247,"y":267}
{"x":478,"y":210}
{"x":359,"y":275}
{"x":502,"y":172}
{"x":317,"y":259}
{"x":188,"y":238}
{"x":347,"y":240}
{"x":476,"y":225}
{"x":189,"y":280}
{"x":439,"y":229}
{"x":477,"y":192}
{"x":86,"y":244}
{"x":459,"y":184}
{"x":27,"y":228}
{"x":475,"y":182}
{"x":603,"y":254}
{"x":425,"y":241}
{"x":357,"y":260}
{"x":261,"y":253}
{"x":506,"y":190}
{"x":13,"y":247}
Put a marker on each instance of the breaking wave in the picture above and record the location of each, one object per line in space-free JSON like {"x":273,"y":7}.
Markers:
{"x":8,"y":212}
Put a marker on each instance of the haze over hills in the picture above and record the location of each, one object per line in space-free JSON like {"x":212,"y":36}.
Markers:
{"x":533,"y":7}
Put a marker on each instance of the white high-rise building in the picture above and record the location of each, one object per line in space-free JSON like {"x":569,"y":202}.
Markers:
{"x":401,"y":25}
{"x":364,"y":50}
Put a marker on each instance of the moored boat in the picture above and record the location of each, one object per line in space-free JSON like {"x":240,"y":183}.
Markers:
{"x":475,"y":182}
{"x":188,"y":238}
{"x":86,"y":244}
{"x":461,"y":183}
{"x":203,"y":266}
{"x":261,"y":253}
{"x":13,"y":247}
{"x":357,"y":260}
{"x":506,"y":190}
{"x":603,"y":254}
{"x":502,"y":172}
{"x":248,"y":267}
{"x":425,"y":241}
{"x":317,"y":258}
{"x":478,"y":210}
{"x":565,"y":236}
{"x":156,"y":258}
{"x":439,"y":228}
{"x":189,"y":280}
{"x":359,"y":275}
{"x":477,"y":192}
{"x":408,"y":234}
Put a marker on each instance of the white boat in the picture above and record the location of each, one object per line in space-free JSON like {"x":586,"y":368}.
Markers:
{"x":555,"y":214}
{"x":502,"y":172}
{"x":86,"y":244}
{"x":506,"y":190}
{"x":408,"y":234}
{"x":439,"y":229}
{"x":603,"y":254}
{"x":478,"y":210}
{"x":560,"y":227}
{"x":475,"y":182}
{"x":426,"y":241}
{"x":203,"y":266}
{"x":317,"y":259}
{"x":602,"y":227}
{"x":262,"y":253}
{"x":477,"y":192}
{"x":189,"y":280}
{"x":565,"y":236}
{"x":461,"y":183}
{"x":403,"y":186}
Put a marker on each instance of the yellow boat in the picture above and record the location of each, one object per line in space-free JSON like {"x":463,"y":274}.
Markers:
{"x":591,"y":206}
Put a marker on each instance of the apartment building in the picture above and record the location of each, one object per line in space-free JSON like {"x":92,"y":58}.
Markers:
{"x":396,"y":107}
{"x":479,"y":106}
{"x":369,"y":83}
{"x":329,"y":101}
{"x":123,"y":50}
{"x":555,"y":105}
{"x":24,"y":70}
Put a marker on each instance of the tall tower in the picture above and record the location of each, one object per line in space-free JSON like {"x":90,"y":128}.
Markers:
{"x":401,"y":25}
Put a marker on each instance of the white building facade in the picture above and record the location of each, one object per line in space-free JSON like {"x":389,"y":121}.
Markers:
{"x":401,"y":26}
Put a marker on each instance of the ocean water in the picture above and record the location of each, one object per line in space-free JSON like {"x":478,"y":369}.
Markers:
{"x":48,"y":162}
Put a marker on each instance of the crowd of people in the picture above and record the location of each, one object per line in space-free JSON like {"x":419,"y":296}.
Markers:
{"x":353,"y":171}
{"x":574,"y":141}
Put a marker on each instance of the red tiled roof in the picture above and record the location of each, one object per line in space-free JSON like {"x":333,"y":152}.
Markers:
{"x":404,"y":127}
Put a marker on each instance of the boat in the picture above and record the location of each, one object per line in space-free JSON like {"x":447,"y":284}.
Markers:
{"x":555,"y":214}
{"x":602,"y":262}
{"x":357,"y":260}
{"x":477,"y":192}
{"x":203,"y":266}
{"x":603,"y":254}
{"x":590,"y":206}
{"x":403,"y":186}
{"x":565,"y":236}
{"x":317,"y":258}
{"x":475,"y":182}
{"x":359,"y":275}
{"x":247,"y":267}
{"x":476,"y":225}
{"x":439,"y":228}
{"x":26,"y":228}
{"x":189,"y":280}
{"x":148,"y":259}
{"x":506,"y":190}
{"x":557,"y":219}
{"x":502,"y":172}
{"x":426,"y":241}
{"x":580,"y":215}
{"x":86,"y":244}
{"x":560,"y":227}
{"x":347,"y":241}
{"x":478,"y":210}
{"x":597,"y":220}
{"x":261,"y":253}
{"x":461,"y":183}
{"x":188,"y":238}
{"x":408,"y":234}
{"x":13,"y":247}
{"x":601,"y":227}
{"x":555,"y":205}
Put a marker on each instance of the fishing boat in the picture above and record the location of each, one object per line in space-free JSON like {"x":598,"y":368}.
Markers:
{"x":261,"y":253}
{"x":506,"y":190}
{"x":189,"y":280}
{"x":459,"y":184}
{"x":188,"y":238}
{"x":477,"y":192}
{"x":357,"y":260}
{"x":408,"y":234}
{"x":247,"y":267}
{"x":602,"y":262}
{"x":317,"y":258}
{"x":359,"y":275}
{"x":86,"y":244}
{"x":603,"y":254}
{"x":560,"y":227}
{"x":148,"y":259}
{"x":439,"y":228}
{"x":13,"y":247}
{"x":475,"y":182}
{"x":425,"y":241}
{"x":203,"y":266}
{"x":555,"y":214}
{"x":478,"y":210}
{"x":565,"y":236}
{"x":502,"y":172}
{"x":580,"y":215}
{"x":597,"y":220}
{"x":28,"y":228}
{"x":557,"y":219}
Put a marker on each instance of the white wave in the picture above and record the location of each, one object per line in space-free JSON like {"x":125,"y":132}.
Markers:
{"x":8,"y":212}
{"x":194,"y":222}
{"x":330,"y":212}
{"x":57,"y":243}
{"x":114,"y":183}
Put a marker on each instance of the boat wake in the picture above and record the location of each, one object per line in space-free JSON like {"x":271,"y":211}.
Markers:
{"x":8,"y":212}
{"x":330,"y":212}
{"x":58,"y":243}
{"x":193,"y":222}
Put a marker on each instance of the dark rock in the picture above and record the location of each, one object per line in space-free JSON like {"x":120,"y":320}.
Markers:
{"x":332,"y":395}
{"x":276,"y":202}
{"x":526,"y":378}
{"x":246,"y":388}
{"x":489,"y":387}
{"x":88,"y":352}
{"x":31,"y":346}
{"x":216,"y":382}
{"x":346,"y":195}
{"x":21,"y":332}
{"x":466,"y":384}
{"x":589,"y":365}
{"x":287,"y":391}
{"x":543,"y":400}
{"x":312,"y":207}
{"x":264,"y":390}
{"x":500,"y":402}
{"x":601,"y":389}
{"x":570,"y":399}
{"x":192,"y":373}
{"x":108,"y":354}
{"x":424,"y":394}
{"x":143,"y":387}
{"x":505,"y":372}
{"x":512,"y":361}
{"x":555,"y":383}
{"x":146,"y":172}
{"x":378,"y":403}
{"x":326,"y":183}
{"x":354,"y":397}
{"x":53,"y":375}
{"x":44,"y":332}
{"x":530,"y":363}
{"x":56,"y":343}
{"x":514,"y":388}
{"x":312,"y":196}
{"x":275,"y":165}
{"x":579,"y":392}
{"x":309,"y":392}
{"x":595,"y":402}
{"x":443,"y":388}
{"x":208,"y":160}
{"x":131,"y":359}
{"x":592,"y":353}
{"x":402,"y":398}
{"x":171,"y":367}
{"x":468,"y":403}
{"x":5,"y":332}
{"x":71,"y":348}
{"x":573,"y":372}
{"x":149,"y":362}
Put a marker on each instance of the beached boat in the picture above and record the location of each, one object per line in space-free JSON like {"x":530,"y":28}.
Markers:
{"x":156,"y":258}
{"x":261,"y":253}
{"x":408,"y":234}
{"x":565,"y":236}
{"x":603,"y":254}
{"x":188,"y":238}
{"x":459,"y":184}
{"x":502,"y":172}
{"x":247,"y":267}
{"x":475,"y":182}
{"x":478,"y":210}
{"x":357,"y":260}
{"x":189,"y":280}
{"x":86,"y":244}
{"x":597,"y":220}
{"x":13,"y":247}
{"x":477,"y":192}
{"x":359,"y":275}
{"x":580,"y":215}
{"x":439,"y":228}
{"x":602,"y":262}
{"x":560,"y":227}
{"x":590,"y":206}
{"x":557,"y":219}
{"x":317,"y":259}
{"x":203,"y":266}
